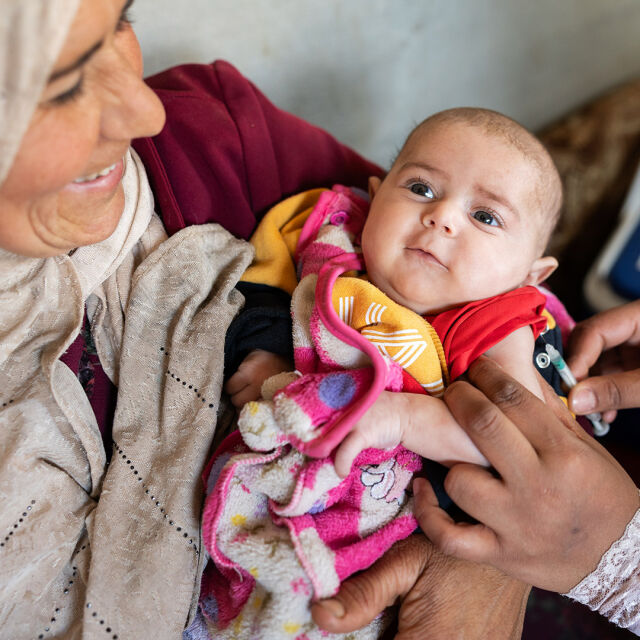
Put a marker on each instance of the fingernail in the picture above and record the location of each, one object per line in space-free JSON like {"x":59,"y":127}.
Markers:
{"x":583,"y":401}
{"x":335,"y":607}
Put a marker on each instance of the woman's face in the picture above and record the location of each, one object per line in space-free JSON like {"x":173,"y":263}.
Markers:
{"x":64,"y":188}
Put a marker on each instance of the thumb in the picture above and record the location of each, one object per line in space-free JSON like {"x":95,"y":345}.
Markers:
{"x":603,"y":393}
{"x":364,"y":596}
{"x":347,"y":452}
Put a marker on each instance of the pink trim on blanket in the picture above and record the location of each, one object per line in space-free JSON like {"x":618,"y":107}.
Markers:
{"x":325,"y":443}
{"x":322,"y":253}
{"x":314,"y":222}
{"x":340,"y":197}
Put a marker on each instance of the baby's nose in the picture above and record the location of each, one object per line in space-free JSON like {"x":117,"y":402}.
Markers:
{"x":440,"y":216}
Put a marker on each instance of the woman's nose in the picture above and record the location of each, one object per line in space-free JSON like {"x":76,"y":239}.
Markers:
{"x":440,"y":216}
{"x":131,"y":109}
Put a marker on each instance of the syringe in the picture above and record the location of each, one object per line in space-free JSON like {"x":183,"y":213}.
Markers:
{"x":600,"y":427}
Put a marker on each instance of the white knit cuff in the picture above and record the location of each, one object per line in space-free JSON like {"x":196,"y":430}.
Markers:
{"x":613,"y":589}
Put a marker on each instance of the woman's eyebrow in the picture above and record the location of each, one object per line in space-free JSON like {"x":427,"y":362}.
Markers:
{"x":77,"y":64}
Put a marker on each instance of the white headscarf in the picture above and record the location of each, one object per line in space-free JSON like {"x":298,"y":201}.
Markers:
{"x":32,"y":33}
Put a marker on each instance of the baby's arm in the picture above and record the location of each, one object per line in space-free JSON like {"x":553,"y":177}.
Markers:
{"x":515,"y":355}
{"x":420,"y":423}
{"x":245,"y":384}
{"x":258,"y":343}
{"x":424,"y":424}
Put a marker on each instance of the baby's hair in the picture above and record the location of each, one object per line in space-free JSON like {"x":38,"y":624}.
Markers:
{"x":549,"y":190}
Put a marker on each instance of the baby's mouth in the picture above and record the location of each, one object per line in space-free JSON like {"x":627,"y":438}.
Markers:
{"x":426,"y":256}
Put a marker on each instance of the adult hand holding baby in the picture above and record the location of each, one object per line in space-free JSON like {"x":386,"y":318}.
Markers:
{"x":559,"y":499}
{"x":607,"y":344}
{"x":440,"y":597}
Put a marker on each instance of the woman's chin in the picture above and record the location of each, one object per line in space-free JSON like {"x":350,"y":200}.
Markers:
{"x":89,"y":220}
{"x":105,"y":222}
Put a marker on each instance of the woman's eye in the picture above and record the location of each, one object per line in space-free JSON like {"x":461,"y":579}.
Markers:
{"x":486,"y":218}
{"x":70,"y":94}
{"x":421,"y":189}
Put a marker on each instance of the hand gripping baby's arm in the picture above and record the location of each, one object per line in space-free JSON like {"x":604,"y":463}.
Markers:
{"x":424,"y":424}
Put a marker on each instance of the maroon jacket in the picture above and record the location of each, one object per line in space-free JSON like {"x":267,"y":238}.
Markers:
{"x":226,"y":155}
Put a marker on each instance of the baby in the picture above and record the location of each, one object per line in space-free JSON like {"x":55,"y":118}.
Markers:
{"x":464,"y":214}
{"x":445,"y":255}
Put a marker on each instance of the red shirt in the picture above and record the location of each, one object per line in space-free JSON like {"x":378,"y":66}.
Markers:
{"x":467,"y":332}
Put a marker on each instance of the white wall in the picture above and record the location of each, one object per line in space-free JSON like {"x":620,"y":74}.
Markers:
{"x":367,"y":70}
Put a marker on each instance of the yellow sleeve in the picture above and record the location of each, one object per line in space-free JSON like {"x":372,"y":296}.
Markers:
{"x":275,"y":241}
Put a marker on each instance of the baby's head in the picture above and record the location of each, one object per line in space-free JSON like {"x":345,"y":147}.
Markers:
{"x":464,"y":213}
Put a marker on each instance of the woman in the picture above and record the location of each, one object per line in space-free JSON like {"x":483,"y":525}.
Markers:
{"x":112,"y":549}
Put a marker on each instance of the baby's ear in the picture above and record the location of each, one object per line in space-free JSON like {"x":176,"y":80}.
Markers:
{"x":374,"y":183}
{"x":540,"y":270}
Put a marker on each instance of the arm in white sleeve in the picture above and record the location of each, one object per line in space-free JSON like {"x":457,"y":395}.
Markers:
{"x":613,"y":589}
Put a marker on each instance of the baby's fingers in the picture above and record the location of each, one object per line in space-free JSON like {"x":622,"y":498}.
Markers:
{"x":241,"y":389}
{"x":346,"y":453}
{"x":247,"y":394}
{"x":236,"y":383}
{"x":474,"y":542}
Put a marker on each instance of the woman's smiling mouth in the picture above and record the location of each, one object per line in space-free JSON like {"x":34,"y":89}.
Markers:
{"x":106,"y":179}
{"x":95,"y":176}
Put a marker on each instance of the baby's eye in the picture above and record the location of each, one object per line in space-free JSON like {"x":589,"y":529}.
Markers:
{"x":486,"y":218}
{"x":421,"y":189}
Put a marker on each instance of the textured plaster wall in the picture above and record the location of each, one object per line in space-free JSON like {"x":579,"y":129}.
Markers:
{"x":367,"y":70}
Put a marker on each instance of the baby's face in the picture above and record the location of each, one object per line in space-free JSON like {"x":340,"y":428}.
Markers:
{"x":456,"y":219}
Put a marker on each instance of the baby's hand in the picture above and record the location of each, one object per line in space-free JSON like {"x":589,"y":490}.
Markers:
{"x":245,"y":384}
{"x":420,"y":423}
{"x":380,"y":428}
